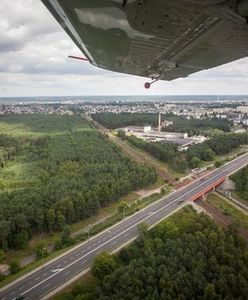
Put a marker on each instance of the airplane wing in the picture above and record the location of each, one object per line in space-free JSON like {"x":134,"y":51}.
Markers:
{"x":164,"y":39}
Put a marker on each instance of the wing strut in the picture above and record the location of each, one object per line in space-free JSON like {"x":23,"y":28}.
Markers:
{"x":78,"y":57}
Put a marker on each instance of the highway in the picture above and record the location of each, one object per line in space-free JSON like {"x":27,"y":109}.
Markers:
{"x":40,"y":283}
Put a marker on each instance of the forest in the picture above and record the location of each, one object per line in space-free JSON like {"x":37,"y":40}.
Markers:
{"x":187,"y":256}
{"x":179,"y":161}
{"x":198,"y":126}
{"x":220,"y":144}
{"x":56,"y":170}
{"x":166,"y":152}
{"x":112,"y":121}
{"x":180,"y":123}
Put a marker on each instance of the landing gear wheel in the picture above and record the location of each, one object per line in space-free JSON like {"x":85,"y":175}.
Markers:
{"x":147,"y":85}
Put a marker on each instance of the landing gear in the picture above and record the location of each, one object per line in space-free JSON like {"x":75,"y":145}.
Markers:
{"x":147,"y":85}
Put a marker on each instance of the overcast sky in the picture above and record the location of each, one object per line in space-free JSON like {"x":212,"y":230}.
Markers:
{"x":33,"y":62}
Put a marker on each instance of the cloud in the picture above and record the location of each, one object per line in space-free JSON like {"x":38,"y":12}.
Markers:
{"x":237,"y":69}
{"x":23,"y":21}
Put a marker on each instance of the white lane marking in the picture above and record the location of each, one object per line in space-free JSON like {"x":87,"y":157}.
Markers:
{"x":57,"y":270}
{"x":218,"y":175}
{"x":72,"y":263}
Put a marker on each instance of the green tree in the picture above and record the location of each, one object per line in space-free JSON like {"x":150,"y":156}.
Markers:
{"x":122,"y":207}
{"x":4,"y":232}
{"x":209,"y":292}
{"x":66,"y":235}
{"x":14,"y":266}
{"x":218,"y":163}
{"x":167,"y":230}
{"x":104,"y":264}
{"x":50,"y":218}
{"x":2,"y":255}
{"x":20,"y":240}
{"x":41,"y":250}
{"x":60,"y":220}
{"x":39,"y":219}
{"x":195,"y":162}
{"x":143,"y":230}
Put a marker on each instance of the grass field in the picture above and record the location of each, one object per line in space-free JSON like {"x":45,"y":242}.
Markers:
{"x":229,"y":210}
{"x":242,"y":194}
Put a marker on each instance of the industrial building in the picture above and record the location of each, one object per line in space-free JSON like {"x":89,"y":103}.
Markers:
{"x":150,"y":134}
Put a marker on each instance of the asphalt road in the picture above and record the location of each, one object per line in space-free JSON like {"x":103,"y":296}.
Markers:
{"x":40,"y":283}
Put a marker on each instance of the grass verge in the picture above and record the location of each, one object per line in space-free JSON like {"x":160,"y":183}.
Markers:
{"x":116,"y":217}
{"x":229,"y":210}
{"x":182,"y":217}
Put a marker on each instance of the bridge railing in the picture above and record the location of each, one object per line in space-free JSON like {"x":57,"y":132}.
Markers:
{"x":209,"y":188}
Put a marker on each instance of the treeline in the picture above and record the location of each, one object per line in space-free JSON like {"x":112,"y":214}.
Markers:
{"x":76,"y":170}
{"x":166,"y":152}
{"x":8,"y":149}
{"x":218,"y":145}
{"x":180,"y":123}
{"x":241,"y":179}
{"x":186,"y":257}
{"x":179,"y":161}
{"x":112,"y":121}
{"x":196,"y":127}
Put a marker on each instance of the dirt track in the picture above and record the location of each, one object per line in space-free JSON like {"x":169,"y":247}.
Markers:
{"x":135,"y":154}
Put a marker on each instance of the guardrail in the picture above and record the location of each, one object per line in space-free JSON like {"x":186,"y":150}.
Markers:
{"x":228,"y":195}
{"x":208,"y":189}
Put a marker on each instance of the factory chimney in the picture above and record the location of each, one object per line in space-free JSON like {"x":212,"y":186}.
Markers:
{"x":159,"y":122}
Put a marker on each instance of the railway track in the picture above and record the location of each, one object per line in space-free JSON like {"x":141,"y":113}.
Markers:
{"x":136,"y":155}
{"x":220,"y":218}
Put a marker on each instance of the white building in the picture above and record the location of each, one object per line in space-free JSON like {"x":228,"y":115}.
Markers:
{"x":147,"y":129}
{"x":243,"y":109}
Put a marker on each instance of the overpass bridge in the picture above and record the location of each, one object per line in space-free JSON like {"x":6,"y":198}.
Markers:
{"x":208,"y":189}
